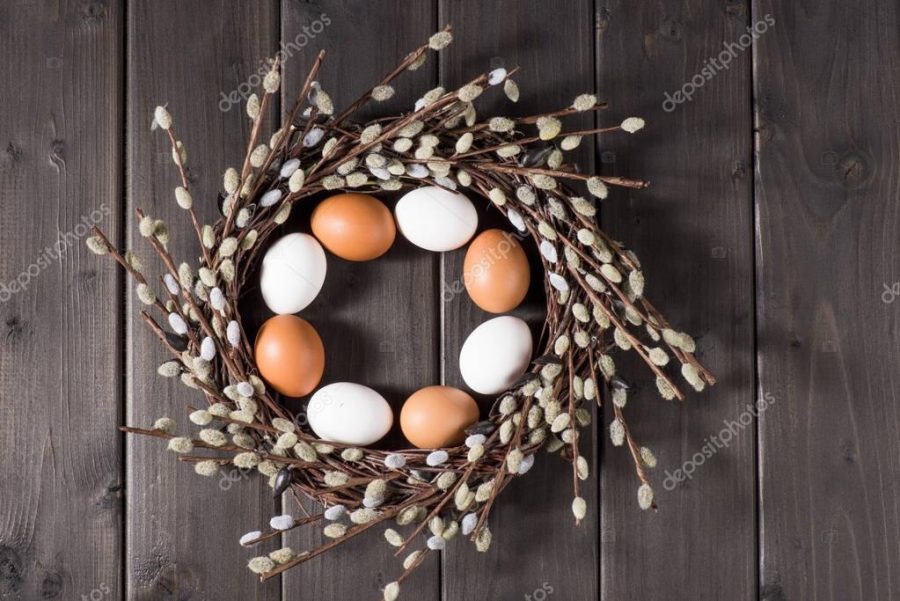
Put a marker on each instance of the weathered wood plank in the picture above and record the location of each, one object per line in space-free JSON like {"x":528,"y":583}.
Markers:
{"x":183,"y":529}
{"x":692,"y":229}
{"x":379,"y":320}
{"x":827,"y":209}
{"x":537,"y":551}
{"x":61,"y":470}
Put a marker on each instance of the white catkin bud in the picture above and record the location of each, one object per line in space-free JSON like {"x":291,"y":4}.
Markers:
{"x":334,"y":530}
{"x":579,"y":508}
{"x":305,"y":451}
{"x":231,"y":180}
{"x":394,"y":538}
{"x":382,"y":93}
{"x":363,"y":515}
{"x":436,"y":458}
{"x":183,"y":198}
{"x":617,"y":432}
{"x":548,"y":127}
{"x":169,"y":369}
{"x":180,"y":445}
{"x":213,"y":437}
{"x":692,"y":375}
{"x":514,"y":461}
{"x":469,"y":92}
{"x":633,"y":124}
{"x":475,"y":453}
{"x":597,"y":188}
{"x":162,"y":117}
{"x":253,"y":106}
{"x":658,"y":356}
{"x":97,"y":245}
{"x":258,"y":155}
{"x":570,"y":142}
{"x":440,"y":40}
{"x":271,"y":82}
{"x":201,"y":417}
{"x":146,"y":294}
{"x":483,"y":540}
{"x":206,"y":468}
{"x":353,"y":454}
{"x":560,"y":423}
{"x":392,"y":590}
{"x":582,"y":468}
{"x":511,"y":89}
{"x":584,"y":102}
{"x":165,"y":424}
{"x":645,"y":496}
{"x":665,"y":389}
{"x":611,"y":273}
{"x":261,"y":565}
{"x":177,"y":323}
{"x":233,"y":333}
{"x":648,"y":458}
{"x":497,"y":197}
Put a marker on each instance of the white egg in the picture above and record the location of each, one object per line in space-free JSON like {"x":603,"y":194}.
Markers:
{"x":436,"y":219}
{"x":293,"y":272}
{"x":349,"y":413}
{"x":495,"y":354}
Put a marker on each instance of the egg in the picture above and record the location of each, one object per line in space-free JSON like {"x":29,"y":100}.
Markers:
{"x":292,"y":273}
{"x":436,"y":219}
{"x":290,"y":355}
{"x":437,"y":416}
{"x":495,"y":354}
{"x":349,"y":413}
{"x":496,"y":272}
{"x":356,"y":227}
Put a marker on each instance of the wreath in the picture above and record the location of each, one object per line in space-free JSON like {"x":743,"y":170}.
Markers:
{"x":593,"y":284}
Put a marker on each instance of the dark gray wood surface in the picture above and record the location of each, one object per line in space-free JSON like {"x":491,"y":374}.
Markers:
{"x":827,"y":209}
{"x":61,"y":471}
{"x":769,"y":232}
{"x":182,"y":530}
{"x":693,"y":229}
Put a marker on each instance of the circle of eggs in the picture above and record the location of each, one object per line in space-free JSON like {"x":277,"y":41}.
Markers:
{"x":495,"y":354}
{"x":292,"y":274}
{"x":290,"y":355}
{"x":349,"y":413}
{"x":355,"y":227}
{"x":436,"y":219}
{"x":437,"y":416}
{"x":496,"y":272}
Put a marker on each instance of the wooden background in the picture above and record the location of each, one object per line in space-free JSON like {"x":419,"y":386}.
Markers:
{"x":770,"y":231}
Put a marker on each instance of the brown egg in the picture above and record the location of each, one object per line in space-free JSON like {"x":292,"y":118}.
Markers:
{"x":290,"y":355}
{"x":496,"y":272}
{"x":356,"y":227}
{"x":436,"y":417}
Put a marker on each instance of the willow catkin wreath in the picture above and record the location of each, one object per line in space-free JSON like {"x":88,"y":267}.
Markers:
{"x":595,"y":305}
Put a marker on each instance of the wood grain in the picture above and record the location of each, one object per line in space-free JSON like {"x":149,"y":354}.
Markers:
{"x":379,"y":320}
{"x":183,"y":530}
{"x":693,"y":231}
{"x":537,"y":551}
{"x":61,"y":469}
{"x":827,"y":210}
